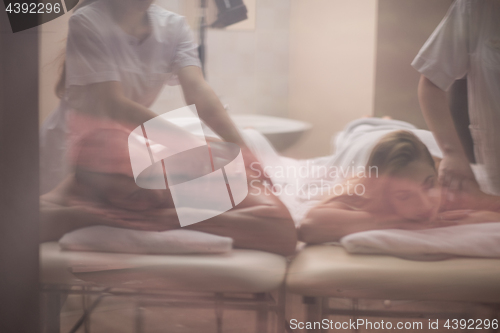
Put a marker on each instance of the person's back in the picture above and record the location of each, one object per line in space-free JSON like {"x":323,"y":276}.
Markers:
{"x":102,"y":191}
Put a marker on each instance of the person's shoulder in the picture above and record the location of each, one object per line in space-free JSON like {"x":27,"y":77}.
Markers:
{"x":166,"y":18}
{"x":94,"y":14}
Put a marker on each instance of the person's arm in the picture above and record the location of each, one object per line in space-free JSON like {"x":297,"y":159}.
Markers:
{"x":59,"y":214}
{"x":198,"y":92}
{"x":454,"y":167}
{"x":56,"y":220}
{"x":111,"y":102}
{"x":331,"y":221}
{"x":462,"y":217}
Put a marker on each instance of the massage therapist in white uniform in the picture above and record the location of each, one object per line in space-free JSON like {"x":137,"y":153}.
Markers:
{"x":119,"y":55}
{"x":466,"y":43}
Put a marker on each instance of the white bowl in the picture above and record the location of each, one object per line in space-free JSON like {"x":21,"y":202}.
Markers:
{"x":281,"y":132}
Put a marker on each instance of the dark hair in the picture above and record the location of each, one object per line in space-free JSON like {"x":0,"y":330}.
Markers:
{"x":61,"y":83}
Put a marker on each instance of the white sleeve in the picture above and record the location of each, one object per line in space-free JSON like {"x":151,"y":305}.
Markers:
{"x":186,"y":52}
{"x":444,"y":57}
{"x":88,"y":58}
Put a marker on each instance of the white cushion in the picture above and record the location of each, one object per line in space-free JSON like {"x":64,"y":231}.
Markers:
{"x":469,"y":240}
{"x":237,"y":271}
{"x":179,"y":241}
{"x":326,"y":270}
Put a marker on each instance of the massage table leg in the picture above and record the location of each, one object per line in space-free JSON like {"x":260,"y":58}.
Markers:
{"x":219,"y":311}
{"x":314,"y":311}
{"x":86,"y":302}
{"x":262,"y":313}
{"x":52,"y":314}
{"x":355,"y":306}
{"x":496,"y":315}
{"x":280,"y":311}
{"x":139,"y":319}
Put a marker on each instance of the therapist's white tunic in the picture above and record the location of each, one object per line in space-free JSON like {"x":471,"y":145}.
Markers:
{"x":467,"y":43}
{"x":98,"y":50}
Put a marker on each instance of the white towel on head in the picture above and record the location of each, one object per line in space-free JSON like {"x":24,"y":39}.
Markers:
{"x":471,"y":240}
{"x":109,"y":239}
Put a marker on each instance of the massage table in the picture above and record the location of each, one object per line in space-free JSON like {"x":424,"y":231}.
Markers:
{"x":321,"y":272}
{"x":241,"y":279}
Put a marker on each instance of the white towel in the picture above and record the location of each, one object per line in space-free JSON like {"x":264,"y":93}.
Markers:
{"x":108,"y":239}
{"x":471,"y":240}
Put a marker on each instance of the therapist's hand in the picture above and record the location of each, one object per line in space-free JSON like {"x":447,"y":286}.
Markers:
{"x":469,"y":196}
{"x":455,"y":175}
{"x":454,"y":167}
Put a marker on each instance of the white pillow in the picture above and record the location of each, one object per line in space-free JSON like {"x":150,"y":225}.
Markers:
{"x":470,"y":240}
{"x":109,"y":239}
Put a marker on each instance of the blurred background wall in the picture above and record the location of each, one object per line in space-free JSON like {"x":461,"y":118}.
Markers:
{"x":332,"y":61}
{"x":322,"y":61}
{"x":403,"y":27}
{"x":246,"y":64}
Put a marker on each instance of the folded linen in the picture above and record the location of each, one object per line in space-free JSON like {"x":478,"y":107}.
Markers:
{"x":471,"y":240}
{"x":109,"y":239}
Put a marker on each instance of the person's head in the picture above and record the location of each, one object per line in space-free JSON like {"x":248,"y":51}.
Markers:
{"x":407,"y":176}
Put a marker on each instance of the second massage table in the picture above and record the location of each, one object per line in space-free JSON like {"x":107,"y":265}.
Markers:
{"x":325,"y":271}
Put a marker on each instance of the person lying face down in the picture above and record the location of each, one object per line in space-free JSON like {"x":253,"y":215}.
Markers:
{"x":403,"y":193}
{"x":102,"y":191}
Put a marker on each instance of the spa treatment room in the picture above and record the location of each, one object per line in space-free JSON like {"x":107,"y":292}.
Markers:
{"x":237,"y":166}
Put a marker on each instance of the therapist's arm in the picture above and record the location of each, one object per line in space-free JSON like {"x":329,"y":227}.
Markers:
{"x":198,"y":92}
{"x":111,"y":102}
{"x":454,"y":167}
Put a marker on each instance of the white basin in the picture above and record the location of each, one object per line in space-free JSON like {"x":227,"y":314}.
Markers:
{"x":281,"y":132}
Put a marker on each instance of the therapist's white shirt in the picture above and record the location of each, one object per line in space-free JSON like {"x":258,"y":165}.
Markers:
{"x":98,"y":50}
{"x":467,"y":43}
